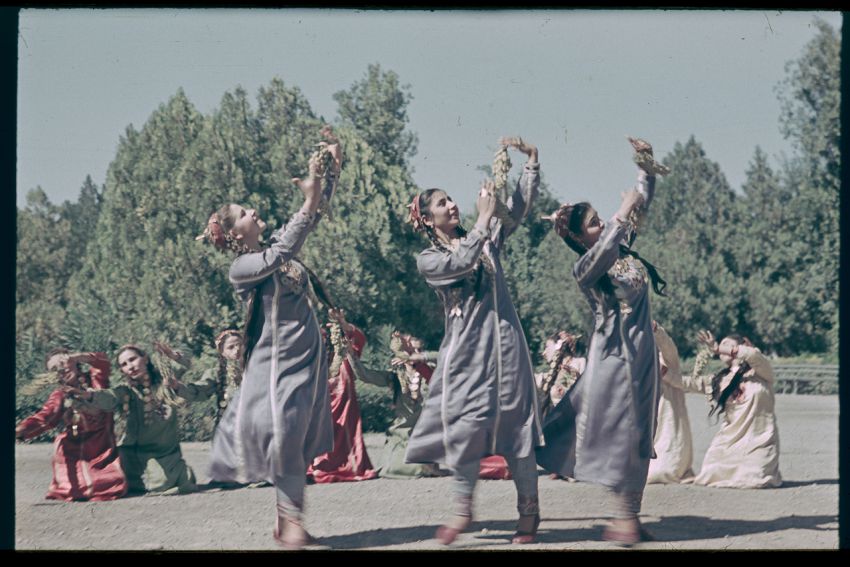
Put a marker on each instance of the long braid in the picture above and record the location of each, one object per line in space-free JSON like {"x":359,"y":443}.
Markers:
{"x":721,"y":397}
{"x":550,"y":378}
{"x":220,"y":387}
{"x":569,"y":221}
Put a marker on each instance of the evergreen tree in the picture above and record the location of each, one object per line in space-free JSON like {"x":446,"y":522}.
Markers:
{"x":810,"y":96}
{"x":376,"y":107}
{"x":690,"y":237}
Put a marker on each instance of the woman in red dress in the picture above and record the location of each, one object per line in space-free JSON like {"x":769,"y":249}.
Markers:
{"x":85,"y":460}
{"x":348,"y":461}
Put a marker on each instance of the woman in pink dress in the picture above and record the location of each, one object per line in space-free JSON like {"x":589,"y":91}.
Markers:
{"x":348,"y":461}
{"x":85,"y":461}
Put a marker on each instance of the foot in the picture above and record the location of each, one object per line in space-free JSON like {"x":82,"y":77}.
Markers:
{"x":626,"y":532}
{"x":526,"y":529}
{"x":292,"y":536}
{"x":447,"y":533}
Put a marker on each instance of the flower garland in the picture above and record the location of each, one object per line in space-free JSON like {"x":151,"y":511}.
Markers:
{"x":501,"y":167}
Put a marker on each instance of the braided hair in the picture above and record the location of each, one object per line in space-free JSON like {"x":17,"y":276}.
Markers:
{"x":217,"y":233}
{"x":422,"y":208}
{"x":569,"y":224}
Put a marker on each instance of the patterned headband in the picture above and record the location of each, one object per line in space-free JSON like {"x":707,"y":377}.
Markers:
{"x":219,"y":339}
{"x":414,"y":216}
{"x":215,"y":235}
{"x":560,"y":220}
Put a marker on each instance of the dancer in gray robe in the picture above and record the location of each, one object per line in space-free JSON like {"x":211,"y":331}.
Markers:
{"x":482,"y":399}
{"x":602,"y":432}
{"x":283,"y":418}
{"x":226,"y":466}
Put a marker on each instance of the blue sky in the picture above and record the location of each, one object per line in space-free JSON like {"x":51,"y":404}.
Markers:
{"x":572,"y":82}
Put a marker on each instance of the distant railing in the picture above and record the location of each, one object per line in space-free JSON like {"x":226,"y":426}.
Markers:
{"x":789,"y":377}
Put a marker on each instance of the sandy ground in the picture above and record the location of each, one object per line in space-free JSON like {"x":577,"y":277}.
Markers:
{"x":388,"y":514}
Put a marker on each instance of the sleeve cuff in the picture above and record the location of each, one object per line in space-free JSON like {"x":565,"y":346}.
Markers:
{"x":476,"y":230}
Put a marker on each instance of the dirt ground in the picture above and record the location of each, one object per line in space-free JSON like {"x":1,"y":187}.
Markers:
{"x":385,"y":514}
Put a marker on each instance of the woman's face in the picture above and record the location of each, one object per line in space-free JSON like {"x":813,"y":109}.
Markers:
{"x":415,"y":344}
{"x":727,"y":344}
{"x":230,"y":347}
{"x":133,"y":364}
{"x":57,"y":364}
{"x":247,"y":223}
{"x":591,"y":228}
{"x":442,"y":212}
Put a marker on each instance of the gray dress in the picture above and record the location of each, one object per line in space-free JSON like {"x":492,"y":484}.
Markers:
{"x":281,"y":416}
{"x":602,"y":432}
{"x":226,"y":463}
{"x":482,"y":397}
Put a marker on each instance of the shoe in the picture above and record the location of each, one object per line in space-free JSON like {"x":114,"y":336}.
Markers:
{"x":522,"y":537}
{"x":447,"y":533}
{"x":292,"y":536}
{"x":627,"y":536}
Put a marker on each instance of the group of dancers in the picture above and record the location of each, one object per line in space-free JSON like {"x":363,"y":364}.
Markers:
{"x":287,"y":414}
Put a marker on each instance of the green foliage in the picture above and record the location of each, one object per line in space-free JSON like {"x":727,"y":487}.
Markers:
{"x":690,"y":237}
{"x":376,"y":108}
{"x":121,"y":264}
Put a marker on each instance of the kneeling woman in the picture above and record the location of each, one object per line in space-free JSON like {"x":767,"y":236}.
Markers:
{"x":150,"y":447}
{"x":745,"y":452}
{"x":482,"y":398}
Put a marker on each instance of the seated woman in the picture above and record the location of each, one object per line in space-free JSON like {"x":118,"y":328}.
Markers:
{"x":348,"y":461}
{"x":150,"y":446}
{"x":85,"y":462}
{"x":226,"y":465}
{"x":745,"y":452}
{"x":408,"y":381}
{"x":564,"y":352}
{"x":672,"y":441}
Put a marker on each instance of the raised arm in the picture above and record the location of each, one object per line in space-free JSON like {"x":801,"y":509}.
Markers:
{"x":99,"y":364}
{"x":444,"y":267}
{"x":248,"y":270}
{"x":594,"y":263}
{"x":519,"y":203}
{"x":758,"y":362}
{"x":696,"y":381}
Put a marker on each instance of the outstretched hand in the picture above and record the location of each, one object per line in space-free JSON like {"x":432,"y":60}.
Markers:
{"x":166,"y":350}
{"x":310,"y":187}
{"x":517,"y":143}
{"x":640,"y":146}
{"x":705,"y":337}
{"x":486,"y":199}
{"x":338,"y":315}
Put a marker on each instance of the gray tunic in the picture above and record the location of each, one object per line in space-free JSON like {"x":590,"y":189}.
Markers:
{"x":281,"y":415}
{"x":605,"y":426}
{"x":482,"y":397}
{"x":226,"y":463}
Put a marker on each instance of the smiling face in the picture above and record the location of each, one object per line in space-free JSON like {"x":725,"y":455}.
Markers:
{"x":246,"y":224}
{"x":441,"y":212}
{"x":133,"y":364}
